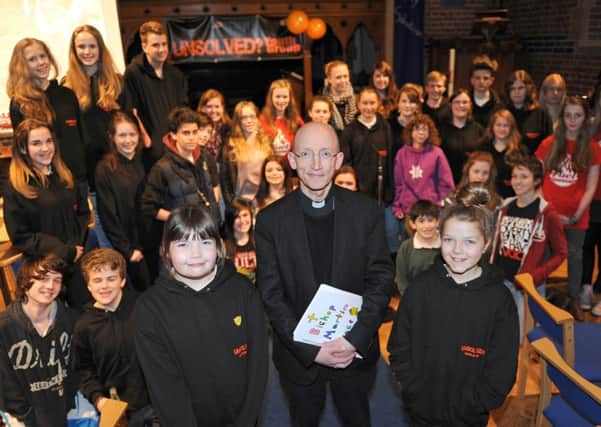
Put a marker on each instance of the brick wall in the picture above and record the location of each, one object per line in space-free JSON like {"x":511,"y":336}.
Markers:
{"x":561,"y":36}
{"x":443,"y":22}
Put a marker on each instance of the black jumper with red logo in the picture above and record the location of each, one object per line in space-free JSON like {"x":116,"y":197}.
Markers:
{"x":203,"y":353}
{"x":67,"y":127}
{"x":454,"y":347}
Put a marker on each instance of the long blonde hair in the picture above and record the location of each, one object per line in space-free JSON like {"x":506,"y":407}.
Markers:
{"x":291,"y":115}
{"x":22,"y":172}
{"x":239,"y":150}
{"x":109,"y":81}
{"x":20,"y":86}
{"x":546,"y":84}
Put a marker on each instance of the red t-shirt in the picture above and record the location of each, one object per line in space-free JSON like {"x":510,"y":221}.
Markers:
{"x":279,"y":124}
{"x":565,"y":188}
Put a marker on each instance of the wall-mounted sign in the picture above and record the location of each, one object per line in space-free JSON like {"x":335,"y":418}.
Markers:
{"x":231,"y":38}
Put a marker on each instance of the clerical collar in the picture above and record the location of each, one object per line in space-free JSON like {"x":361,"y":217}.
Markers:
{"x":319,"y":207}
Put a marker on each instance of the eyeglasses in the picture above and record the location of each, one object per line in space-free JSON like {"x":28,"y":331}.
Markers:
{"x":308,"y":155}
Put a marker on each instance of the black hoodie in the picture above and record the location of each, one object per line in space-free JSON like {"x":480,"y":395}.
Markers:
{"x":362,"y":147}
{"x":106,"y":355}
{"x":67,"y":127}
{"x":154,"y":98}
{"x":37,"y":379}
{"x":118,"y":193}
{"x":454,"y":347}
{"x":55,"y":221}
{"x":534,"y":125}
{"x":204,"y":354}
{"x":482,"y":113}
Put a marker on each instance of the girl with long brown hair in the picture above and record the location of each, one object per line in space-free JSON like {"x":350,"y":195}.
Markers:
{"x":44,"y":210}
{"x":572,"y":162}
{"x":383,"y":80}
{"x":276,"y":180}
{"x":118,"y":178}
{"x":503,"y":141}
{"x":461,"y":134}
{"x":522,"y":101}
{"x":212,"y":103}
{"x":407,"y":105}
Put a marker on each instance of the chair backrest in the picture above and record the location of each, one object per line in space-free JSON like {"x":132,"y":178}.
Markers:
{"x":583,"y":396}
{"x":558,"y":324}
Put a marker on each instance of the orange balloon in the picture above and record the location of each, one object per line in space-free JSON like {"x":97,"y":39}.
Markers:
{"x":317,"y":28}
{"x":297,"y":21}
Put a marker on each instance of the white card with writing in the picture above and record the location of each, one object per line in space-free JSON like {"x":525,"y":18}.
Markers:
{"x":330,"y":315}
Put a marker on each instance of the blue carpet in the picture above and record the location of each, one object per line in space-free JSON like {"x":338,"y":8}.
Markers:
{"x":385,"y":403}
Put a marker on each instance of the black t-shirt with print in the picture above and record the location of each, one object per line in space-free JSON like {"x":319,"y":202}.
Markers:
{"x":244,"y":258}
{"x":516,"y":228}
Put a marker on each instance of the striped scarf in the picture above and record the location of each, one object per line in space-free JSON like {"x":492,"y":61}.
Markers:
{"x":342,"y":118}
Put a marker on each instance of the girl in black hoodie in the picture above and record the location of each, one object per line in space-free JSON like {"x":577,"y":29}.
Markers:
{"x":44,"y":210}
{"x":119,"y":179}
{"x":200,"y":335}
{"x":454,"y":344}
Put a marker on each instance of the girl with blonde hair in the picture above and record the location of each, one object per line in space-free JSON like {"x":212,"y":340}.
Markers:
{"x":553,"y":95}
{"x":280,"y":117}
{"x":339,"y":91}
{"x":35,"y":94}
{"x":93,"y":77}
{"x":244,"y":154}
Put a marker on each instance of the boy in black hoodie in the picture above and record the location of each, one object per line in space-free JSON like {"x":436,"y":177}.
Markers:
{"x":104,"y":344}
{"x":37,"y":380}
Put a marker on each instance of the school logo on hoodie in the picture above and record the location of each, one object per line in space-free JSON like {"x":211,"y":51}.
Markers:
{"x":237,"y":320}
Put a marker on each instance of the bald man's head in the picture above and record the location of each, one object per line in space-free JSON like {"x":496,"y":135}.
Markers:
{"x":316,"y":157}
{"x":317,"y":131}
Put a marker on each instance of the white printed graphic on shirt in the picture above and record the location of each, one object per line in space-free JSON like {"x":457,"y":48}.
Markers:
{"x":24,"y":356}
{"x":416,"y":172}
{"x":566,"y":175}
{"x":515,"y":235}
